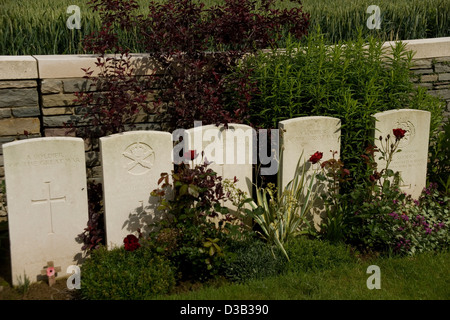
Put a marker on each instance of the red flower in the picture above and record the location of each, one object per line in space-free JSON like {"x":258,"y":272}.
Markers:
{"x":399,"y":133}
{"x":375,"y":176}
{"x":316,"y":157}
{"x":190,"y":155}
{"x":131,"y":242}
{"x":345,"y":172}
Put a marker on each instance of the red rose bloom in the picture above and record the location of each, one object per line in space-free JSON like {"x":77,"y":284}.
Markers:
{"x":345,"y":172}
{"x":131,"y":242}
{"x":399,"y":133}
{"x":375,"y":176}
{"x":190,"y":155}
{"x":316,"y":157}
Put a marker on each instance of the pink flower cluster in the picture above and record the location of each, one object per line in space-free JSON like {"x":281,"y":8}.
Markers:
{"x":395,"y":215}
{"x":403,"y":243}
{"x":419,"y":221}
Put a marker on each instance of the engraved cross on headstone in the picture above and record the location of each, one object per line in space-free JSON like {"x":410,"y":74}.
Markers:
{"x":50,"y":200}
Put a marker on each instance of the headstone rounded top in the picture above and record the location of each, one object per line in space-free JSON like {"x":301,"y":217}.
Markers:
{"x":42,"y":139}
{"x":308,"y":118}
{"x":134,"y":133}
{"x":230,"y":125}
{"x":203,"y":127}
{"x":398,"y":111}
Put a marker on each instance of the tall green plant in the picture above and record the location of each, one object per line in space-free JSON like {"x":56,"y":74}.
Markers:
{"x":400,"y":19}
{"x":41,"y":28}
{"x":439,"y":164}
{"x":196,"y":228}
{"x":281,"y":214}
{"x":351,"y":81}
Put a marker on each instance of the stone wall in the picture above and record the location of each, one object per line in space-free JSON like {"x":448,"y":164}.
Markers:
{"x":434,"y":74}
{"x":432,"y":66}
{"x":36,"y":100}
{"x":37,"y":92}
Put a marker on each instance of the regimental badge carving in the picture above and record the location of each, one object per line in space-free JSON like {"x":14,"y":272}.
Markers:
{"x":410,"y":132}
{"x":139,"y":158}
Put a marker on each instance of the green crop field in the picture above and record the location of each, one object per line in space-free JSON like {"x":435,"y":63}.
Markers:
{"x":39,"y":27}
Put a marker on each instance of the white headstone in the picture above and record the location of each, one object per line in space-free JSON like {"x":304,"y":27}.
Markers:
{"x":230,"y":152}
{"x":47,"y":203}
{"x":308,"y":135}
{"x":132,"y":163}
{"x":411,"y":161}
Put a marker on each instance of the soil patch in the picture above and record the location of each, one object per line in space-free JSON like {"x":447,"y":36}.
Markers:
{"x":37,"y":291}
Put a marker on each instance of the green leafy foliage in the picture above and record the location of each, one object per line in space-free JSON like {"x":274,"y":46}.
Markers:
{"x":333,"y":176}
{"x":351,"y":80}
{"x":312,"y":254}
{"x":179,"y":36}
{"x":281,"y":214}
{"x":378,"y":216}
{"x":357,"y":217}
{"x":254,"y":260}
{"x":93,"y":235}
{"x":439,"y":161}
{"x":197,"y":229}
{"x":396,"y":223}
{"x":423,"y":225}
{"x":118,"y":274}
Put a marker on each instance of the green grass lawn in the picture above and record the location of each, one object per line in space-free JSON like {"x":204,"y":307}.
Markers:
{"x":424,"y":277}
